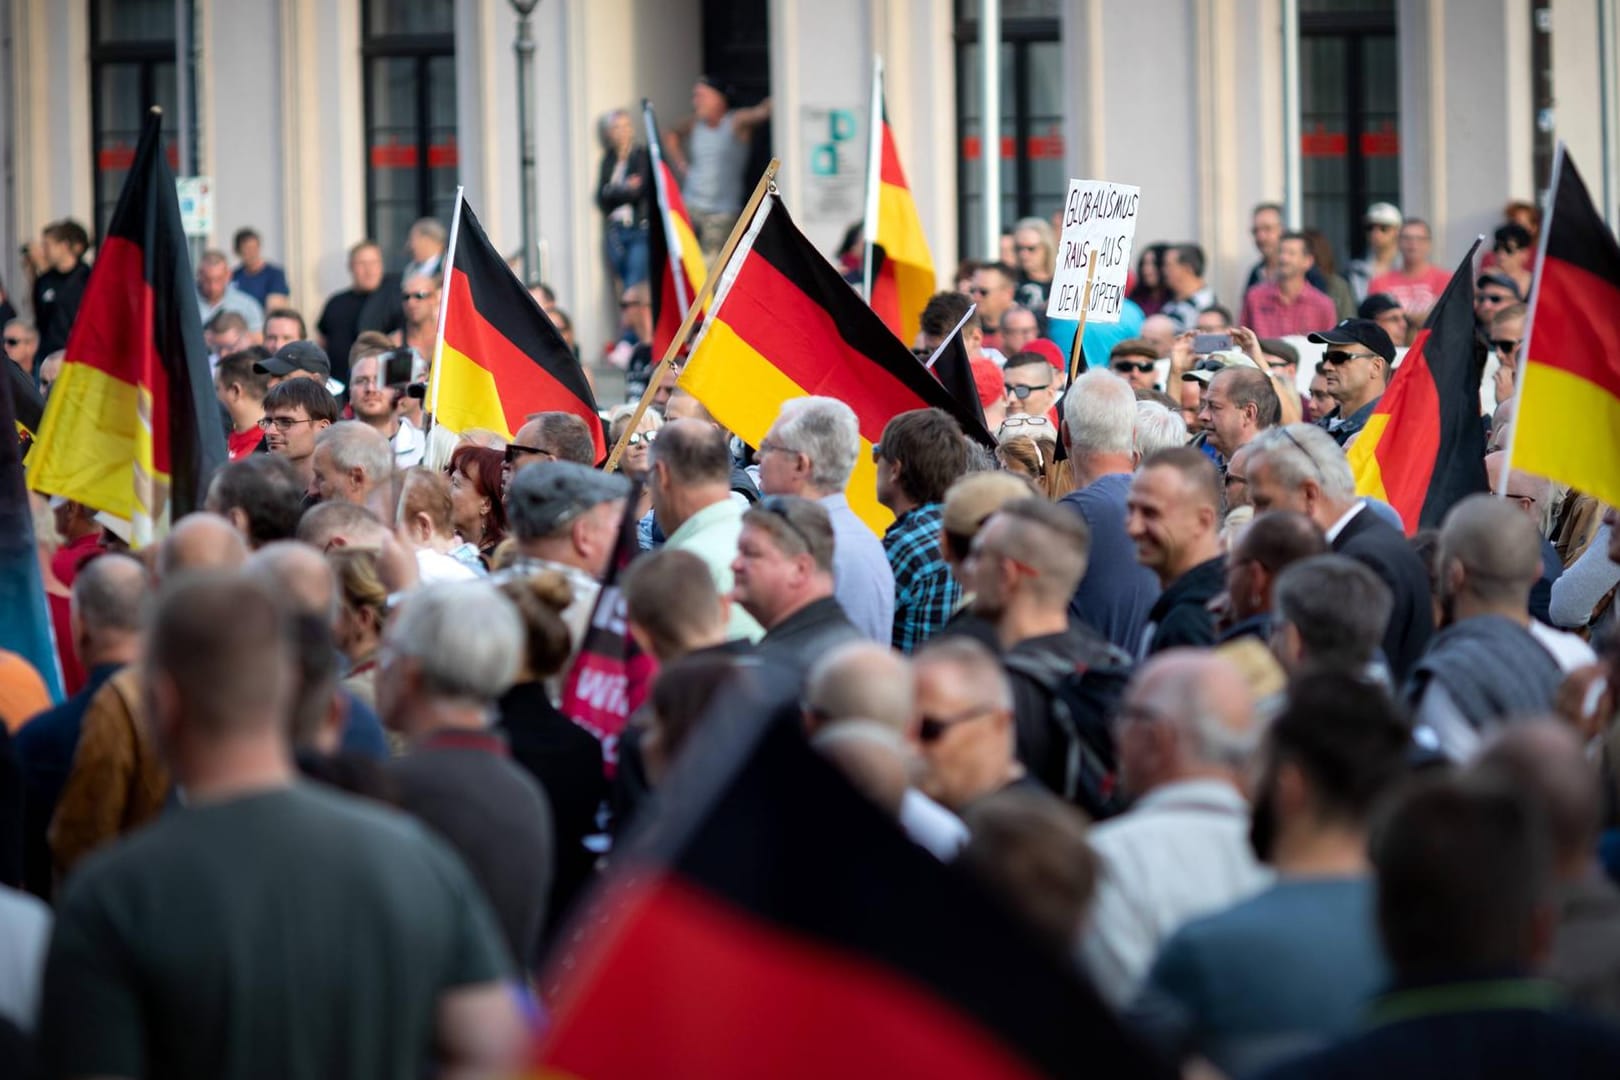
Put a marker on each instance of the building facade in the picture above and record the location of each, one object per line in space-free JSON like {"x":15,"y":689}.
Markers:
{"x":321,"y":122}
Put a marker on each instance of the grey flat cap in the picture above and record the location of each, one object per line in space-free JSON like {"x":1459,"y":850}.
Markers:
{"x":550,"y":494}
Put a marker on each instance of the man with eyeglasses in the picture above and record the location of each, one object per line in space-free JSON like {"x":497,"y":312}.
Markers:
{"x":964,"y":733}
{"x":993,"y":290}
{"x":551,"y":436}
{"x":783,"y":577}
{"x":22,"y":346}
{"x":1019,"y":327}
{"x":1299,"y":467}
{"x":1356,"y":367}
{"x":1382,"y":222}
{"x":295,"y":412}
{"x":1136,"y":361}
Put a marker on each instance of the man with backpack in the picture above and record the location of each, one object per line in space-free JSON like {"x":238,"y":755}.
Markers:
{"x":1023,"y":566}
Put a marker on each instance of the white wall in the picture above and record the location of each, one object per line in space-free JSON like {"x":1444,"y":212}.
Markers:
{"x":239,"y":69}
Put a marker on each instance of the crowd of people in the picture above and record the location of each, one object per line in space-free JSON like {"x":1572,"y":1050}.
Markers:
{"x":1300,"y":794}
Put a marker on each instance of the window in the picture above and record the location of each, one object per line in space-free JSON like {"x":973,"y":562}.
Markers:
{"x":1349,"y":115}
{"x":409,"y":52}
{"x":1034,"y":178}
{"x":132,"y":68}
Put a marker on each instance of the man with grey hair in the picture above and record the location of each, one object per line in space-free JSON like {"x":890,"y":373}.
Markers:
{"x":810,"y":451}
{"x":1485,"y":668}
{"x":1099,"y":429}
{"x":783,"y":576}
{"x":452,"y":651}
{"x":105,"y":617}
{"x":1187,"y":731}
{"x":1329,"y":614}
{"x":352,"y":463}
{"x":1301,"y":468}
{"x":689,"y":477}
{"x":425,"y":245}
{"x":216,"y":292}
{"x":965,"y":731}
{"x":565,"y":517}
{"x":1157,"y":428}
{"x":552,"y":436}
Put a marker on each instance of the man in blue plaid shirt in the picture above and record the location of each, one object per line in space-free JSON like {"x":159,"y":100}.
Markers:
{"x":920,"y":454}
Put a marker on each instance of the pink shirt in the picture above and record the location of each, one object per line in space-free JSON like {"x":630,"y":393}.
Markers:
{"x":1415,"y":294}
{"x":1270,"y":315}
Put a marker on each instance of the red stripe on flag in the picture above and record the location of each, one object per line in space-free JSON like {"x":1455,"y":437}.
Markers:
{"x":1575,"y":328}
{"x":1415,"y":417}
{"x":800,"y":338}
{"x":886,"y":294}
{"x":716,"y":992}
{"x":525,"y":386}
{"x":889,"y":170}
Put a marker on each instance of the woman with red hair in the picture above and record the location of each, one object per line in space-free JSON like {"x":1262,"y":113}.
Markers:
{"x":475,"y":497}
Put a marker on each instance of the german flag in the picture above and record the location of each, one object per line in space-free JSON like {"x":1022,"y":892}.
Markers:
{"x":784,"y":324}
{"x":500,"y":358}
{"x":1423,"y":448}
{"x":26,"y":627}
{"x":900,"y":278}
{"x":1567,"y":423}
{"x":132,"y":425}
{"x":751,"y":936}
{"x":674,"y":259}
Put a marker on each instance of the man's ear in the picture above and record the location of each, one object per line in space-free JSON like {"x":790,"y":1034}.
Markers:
{"x":239,"y":520}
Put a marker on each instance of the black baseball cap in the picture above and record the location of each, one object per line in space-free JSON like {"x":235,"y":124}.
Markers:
{"x":1363,"y":332}
{"x":296,"y":356}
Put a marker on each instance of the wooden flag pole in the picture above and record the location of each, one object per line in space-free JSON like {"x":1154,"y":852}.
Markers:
{"x":1076,"y":350}
{"x":710,"y":281}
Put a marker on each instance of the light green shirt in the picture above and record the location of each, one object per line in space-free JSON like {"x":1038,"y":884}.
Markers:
{"x":711,"y":534}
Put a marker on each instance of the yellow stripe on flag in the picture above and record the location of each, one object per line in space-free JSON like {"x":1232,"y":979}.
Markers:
{"x":744,"y":391}
{"x":468,"y":397}
{"x":691,"y":252}
{"x":1567,"y":428}
{"x":905,"y":246}
{"x":91,"y":421}
{"x":1364,"y":460}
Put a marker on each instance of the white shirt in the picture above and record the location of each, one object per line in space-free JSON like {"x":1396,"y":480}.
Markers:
{"x":409,"y":445}
{"x":931,"y":826}
{"x":1338,"y":526}
{"x":1570,"y":650}
{"x":434,"y":566}
{"x":1182,"y":851}
{"x":25,"y":931}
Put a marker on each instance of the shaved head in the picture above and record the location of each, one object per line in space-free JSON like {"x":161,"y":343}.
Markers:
{"x":300,"y":575}
{"x":201,"y":542}
{"x":1490,"y":549}
{"x":1545,"y":758}
{"x":861,"y":680}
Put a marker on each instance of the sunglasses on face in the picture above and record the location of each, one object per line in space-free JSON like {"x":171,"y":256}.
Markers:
{"x":1505,"y":346}
{"x":978,"y":290}
{"x":931,"y":729}
{"x":1026,"y":249}
{"x":1125,"y":367}
{"x":415,"y":295}
{"x":14,"y":341}
{"x":1336,"y":357}
{"x":640,"y":437}
{"x":1022,"y":392}
{"x":514,"y":451}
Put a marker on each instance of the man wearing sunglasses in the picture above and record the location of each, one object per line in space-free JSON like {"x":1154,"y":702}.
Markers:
{"x":1136,"y":361}
{"x":964,"y":732}
{"x":1356,"y":367}
{"x":1032,"y":386}
{"x":1506,"y":329}
{"x":22,"y":345}
{"x":993,"y":290}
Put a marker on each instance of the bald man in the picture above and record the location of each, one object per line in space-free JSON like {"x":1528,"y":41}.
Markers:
{"x":1485,"y":669}
{"x":1533,"y":496}
{"x":1187,"y":735}
{"x":1546,"y":759}
{"x":119,"y":780}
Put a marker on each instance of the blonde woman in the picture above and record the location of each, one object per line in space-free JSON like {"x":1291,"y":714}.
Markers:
{"x":362,"y":608}
{"x":1035,"y":248}
{"x":1027,"y":445}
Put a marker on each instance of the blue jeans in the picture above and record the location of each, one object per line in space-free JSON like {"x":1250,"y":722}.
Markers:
{"x":627,"y":252}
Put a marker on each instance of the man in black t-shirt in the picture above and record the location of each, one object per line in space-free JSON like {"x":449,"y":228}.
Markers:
{"x":347,"y":312}
{"x":265,"y":928}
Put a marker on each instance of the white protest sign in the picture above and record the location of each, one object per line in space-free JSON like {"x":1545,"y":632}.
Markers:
{"x":1099,"y":219}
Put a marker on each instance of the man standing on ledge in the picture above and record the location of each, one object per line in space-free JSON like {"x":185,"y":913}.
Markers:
{"x":711,"y":165}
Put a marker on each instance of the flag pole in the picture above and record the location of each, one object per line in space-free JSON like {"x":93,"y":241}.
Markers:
{"x":934,"y":359}
{"x":1530,"y":313}
{"x":449,"y":264}
{"x":767,"y":181}
{"x":874,"y":178}
{"x":672,"y":241}
{"x":1076,"y":349}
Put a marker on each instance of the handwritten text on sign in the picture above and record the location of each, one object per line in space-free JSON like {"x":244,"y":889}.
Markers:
{"x":1099,"y":219}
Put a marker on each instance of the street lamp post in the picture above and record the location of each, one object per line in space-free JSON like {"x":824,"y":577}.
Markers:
{"x":524,"y":47}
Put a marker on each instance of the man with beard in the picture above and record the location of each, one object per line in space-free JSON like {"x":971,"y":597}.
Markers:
{"x":1295,"y":966}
